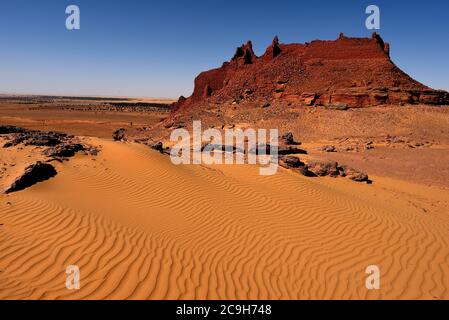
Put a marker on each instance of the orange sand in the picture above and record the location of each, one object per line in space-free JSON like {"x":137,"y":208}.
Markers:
{"x":139,"y":227}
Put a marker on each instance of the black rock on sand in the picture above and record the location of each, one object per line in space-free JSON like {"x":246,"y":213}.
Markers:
{"x":33,"y":174}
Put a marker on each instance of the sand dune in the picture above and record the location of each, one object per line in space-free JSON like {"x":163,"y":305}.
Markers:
{"x":139,"y":227}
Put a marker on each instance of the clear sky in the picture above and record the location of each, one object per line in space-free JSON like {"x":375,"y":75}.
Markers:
{"x":156,"y":48}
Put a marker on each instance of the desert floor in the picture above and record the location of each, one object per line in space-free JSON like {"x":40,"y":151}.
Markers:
{"x":139,"y":227}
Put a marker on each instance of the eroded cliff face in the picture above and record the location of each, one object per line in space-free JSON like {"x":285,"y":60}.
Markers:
{"x":351,"y":72}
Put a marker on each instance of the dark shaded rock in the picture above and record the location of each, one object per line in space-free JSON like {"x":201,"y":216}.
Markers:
{"x":119,"y":134}
{"x":33,"y":174}
{"x":5,"y":129}
{"x":158,"y":146}
{"x":65,"y":150}
{"x":324,"y":168}
{"x":37,"y":138}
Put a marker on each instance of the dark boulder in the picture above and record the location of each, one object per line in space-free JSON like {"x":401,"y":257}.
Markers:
{"x":33,"y":174}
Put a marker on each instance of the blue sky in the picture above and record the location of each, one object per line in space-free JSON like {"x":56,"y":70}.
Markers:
{"x":156,"y":48}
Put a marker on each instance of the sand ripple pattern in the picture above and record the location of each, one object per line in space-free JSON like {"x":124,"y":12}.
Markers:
{"x":140,"y":228}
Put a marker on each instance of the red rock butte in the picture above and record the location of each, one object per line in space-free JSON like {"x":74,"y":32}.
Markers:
{"x":352,"y":72}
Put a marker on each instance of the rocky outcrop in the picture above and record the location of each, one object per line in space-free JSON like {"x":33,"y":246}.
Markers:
{"x":33,"y":137}
{"x":59,"y":144}
{"x":33,"y":174}
{"x":344,"y":73}
{"x":64,"y":151}
{"x":5,"y":129}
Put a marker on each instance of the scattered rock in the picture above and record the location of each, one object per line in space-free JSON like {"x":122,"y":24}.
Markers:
{"x":119,"y":134}
{"x":33,"y":174}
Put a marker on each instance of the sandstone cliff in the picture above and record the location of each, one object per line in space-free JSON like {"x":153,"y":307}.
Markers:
{"x":347,"y":72}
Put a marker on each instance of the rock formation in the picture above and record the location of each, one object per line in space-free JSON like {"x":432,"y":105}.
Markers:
{"x":347,"y":72}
